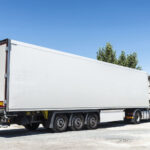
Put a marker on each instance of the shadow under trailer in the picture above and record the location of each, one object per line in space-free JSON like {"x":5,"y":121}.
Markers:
{"x":61,"y":90}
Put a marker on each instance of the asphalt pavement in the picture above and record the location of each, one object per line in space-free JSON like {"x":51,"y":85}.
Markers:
{"x":113,"y":136}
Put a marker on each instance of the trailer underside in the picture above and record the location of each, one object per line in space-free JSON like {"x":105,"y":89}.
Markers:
{"x":60,"y":121}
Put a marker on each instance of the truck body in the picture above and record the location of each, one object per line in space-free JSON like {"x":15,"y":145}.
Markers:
{"x":38,"y":82}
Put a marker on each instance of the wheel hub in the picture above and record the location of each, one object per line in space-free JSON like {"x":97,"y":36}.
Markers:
{"x":78,"y":122}
{"x":92,"y":121}
{"x":60,"y":122}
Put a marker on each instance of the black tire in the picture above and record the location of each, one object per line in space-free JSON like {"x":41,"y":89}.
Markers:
{"x":32,"y":126}
{"x":77,"y":122}
{"x":60,"y":123}
{"x":136,"y":117}
{"x":92,"y":121}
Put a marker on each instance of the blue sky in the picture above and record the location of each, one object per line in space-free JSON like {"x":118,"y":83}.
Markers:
{"x":80,"y":26}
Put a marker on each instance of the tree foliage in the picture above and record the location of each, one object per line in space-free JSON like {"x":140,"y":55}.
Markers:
{"x":108,"y":54}
{"x":122,"y":60}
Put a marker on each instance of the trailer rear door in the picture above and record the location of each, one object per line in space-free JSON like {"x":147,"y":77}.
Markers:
{"x":2,"y":72}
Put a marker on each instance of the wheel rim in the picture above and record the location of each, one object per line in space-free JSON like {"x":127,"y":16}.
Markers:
{"x":78,"y":123}
{"x":93,"y":122}
{"x":60,"y":122}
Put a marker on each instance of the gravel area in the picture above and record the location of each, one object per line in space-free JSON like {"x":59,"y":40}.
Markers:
{"x":114,"y":136}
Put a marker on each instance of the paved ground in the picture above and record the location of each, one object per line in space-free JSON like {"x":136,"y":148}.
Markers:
{"x":114,"y":136}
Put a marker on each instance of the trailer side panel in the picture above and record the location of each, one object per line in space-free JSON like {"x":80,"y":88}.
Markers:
{"x":44,"y":79}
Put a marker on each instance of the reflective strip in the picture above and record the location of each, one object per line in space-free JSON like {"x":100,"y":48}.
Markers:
{"x":128,"y":117}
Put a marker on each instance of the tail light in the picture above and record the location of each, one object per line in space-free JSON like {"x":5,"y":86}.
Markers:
{"x":2,"y":105}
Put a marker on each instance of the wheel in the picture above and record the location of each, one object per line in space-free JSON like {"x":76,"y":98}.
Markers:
{"x":32,"y":126}
{"x":60,"y":123}
{"x":136,"y":117}
{"x":77,"y":122}
{"x":92,"y":121}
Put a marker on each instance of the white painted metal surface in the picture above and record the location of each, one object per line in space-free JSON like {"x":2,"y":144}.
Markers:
{"x":111,"y":115}
{"x":45,"y":79}
{"x":2,"y":71}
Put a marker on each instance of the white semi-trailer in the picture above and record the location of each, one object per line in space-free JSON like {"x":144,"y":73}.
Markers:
{"x":59,"y":90}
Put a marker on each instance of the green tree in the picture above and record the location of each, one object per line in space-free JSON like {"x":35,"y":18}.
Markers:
{"x":132,"y":61}
{"x":122,"y":60}
{"x":107,"y":54}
